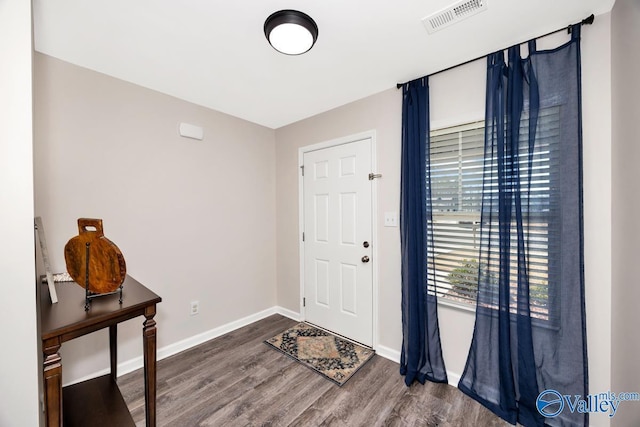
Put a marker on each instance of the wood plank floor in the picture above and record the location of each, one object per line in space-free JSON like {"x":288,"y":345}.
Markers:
{"x":237,"y":380}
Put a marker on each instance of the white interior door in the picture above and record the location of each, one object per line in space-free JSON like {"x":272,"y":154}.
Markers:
{"x":338,"y":272}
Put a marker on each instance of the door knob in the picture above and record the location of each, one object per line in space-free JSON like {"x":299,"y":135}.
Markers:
{"x":365,"y":259}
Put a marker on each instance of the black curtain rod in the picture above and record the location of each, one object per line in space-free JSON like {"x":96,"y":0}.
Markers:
{"x":586,"y":21}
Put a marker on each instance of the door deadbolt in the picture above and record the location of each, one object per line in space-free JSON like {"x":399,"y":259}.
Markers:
{"x":365,"y":244}
{"x":365,"y":259}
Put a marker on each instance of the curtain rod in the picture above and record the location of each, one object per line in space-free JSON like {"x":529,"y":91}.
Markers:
{"x":586,"y":21}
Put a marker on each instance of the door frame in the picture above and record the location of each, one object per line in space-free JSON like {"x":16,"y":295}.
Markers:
{"x":371,"y":134}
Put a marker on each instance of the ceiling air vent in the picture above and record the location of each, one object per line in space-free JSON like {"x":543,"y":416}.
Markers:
{"x":452,"y":14}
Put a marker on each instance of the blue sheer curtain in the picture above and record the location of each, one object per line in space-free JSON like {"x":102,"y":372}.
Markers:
{"x":421,"y":357}
{"x":529,"y":333}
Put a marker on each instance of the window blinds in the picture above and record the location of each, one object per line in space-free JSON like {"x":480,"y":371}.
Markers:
{"x":457,"y":164}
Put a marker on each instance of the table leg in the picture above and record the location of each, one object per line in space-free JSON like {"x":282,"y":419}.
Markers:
{"x":149,"y":347}
{"x":113,"y":349}
{"x":52,"y":383}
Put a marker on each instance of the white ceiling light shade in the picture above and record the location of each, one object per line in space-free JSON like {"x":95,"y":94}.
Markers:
{"x":291,"y":32}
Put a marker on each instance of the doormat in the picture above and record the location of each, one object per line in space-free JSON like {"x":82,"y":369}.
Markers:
{"x":335,"y":358}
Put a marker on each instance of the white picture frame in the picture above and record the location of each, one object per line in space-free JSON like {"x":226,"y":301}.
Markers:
{"x":45,"y":258}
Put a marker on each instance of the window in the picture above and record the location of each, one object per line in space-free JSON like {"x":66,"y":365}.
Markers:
{"x":457,"y":162}
{"x":457,"y":158}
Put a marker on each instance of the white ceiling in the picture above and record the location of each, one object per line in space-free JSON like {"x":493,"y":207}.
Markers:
{"x":214,"y":53}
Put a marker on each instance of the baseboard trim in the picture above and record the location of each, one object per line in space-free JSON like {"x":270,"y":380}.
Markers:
{"x":175,"y":348}
{"x":388,"y":353}
{"x":394,"y":355}
{"x":288,"y":313}
{"x":453,"y":378}
{"x":203,"y":337}
{"x":185,"y":344}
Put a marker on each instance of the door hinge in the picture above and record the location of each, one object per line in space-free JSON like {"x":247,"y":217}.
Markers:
{"x":304,"y":302}
{"x":302,"y":169}
{"x":373,"y":176}
{"x":303,"y":236}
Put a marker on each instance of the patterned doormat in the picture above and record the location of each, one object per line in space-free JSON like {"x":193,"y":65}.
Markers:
{"x":334,"y":357}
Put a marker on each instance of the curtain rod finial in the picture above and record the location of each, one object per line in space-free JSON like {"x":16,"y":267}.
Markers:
{"x":589,"y":20}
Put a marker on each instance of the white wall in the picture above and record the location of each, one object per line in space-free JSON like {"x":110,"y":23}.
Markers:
{"x":195,"y":220}
{"x":625,"y":328}
{"x":19,"y":367}
{"x":458,"y":96}
{"x":596,"y":115}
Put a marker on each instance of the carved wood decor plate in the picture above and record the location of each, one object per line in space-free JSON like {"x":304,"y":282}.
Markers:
{"x":107,"y":268}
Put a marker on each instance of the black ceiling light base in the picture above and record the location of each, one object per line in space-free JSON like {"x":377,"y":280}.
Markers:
{"x":291,"y":32}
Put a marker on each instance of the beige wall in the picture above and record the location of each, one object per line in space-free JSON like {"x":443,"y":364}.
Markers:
{"x":625,"y":328}
{"x":19,"y":367}
{"x":381,"y":112}
{"x":195,"y":220}
{"x":456,"y":97}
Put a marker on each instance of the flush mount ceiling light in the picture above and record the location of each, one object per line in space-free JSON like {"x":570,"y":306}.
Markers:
{"x":291,"y":32}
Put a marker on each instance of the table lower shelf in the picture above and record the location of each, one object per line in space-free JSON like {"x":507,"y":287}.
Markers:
{"x":95,"y":402}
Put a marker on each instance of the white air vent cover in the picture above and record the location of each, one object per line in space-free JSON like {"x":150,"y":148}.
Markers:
{"x":452,"y":14}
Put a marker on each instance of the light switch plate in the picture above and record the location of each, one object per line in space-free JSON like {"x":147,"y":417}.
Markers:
{"x":390,"y":219}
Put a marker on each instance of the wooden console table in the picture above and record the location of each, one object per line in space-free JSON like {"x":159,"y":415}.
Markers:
{"x":98,"y":401}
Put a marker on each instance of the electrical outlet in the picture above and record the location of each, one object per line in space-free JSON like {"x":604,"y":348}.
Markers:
{"x":195,"y":307}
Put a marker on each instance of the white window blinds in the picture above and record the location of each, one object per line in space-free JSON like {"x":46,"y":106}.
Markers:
{"x":456,"y":167}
